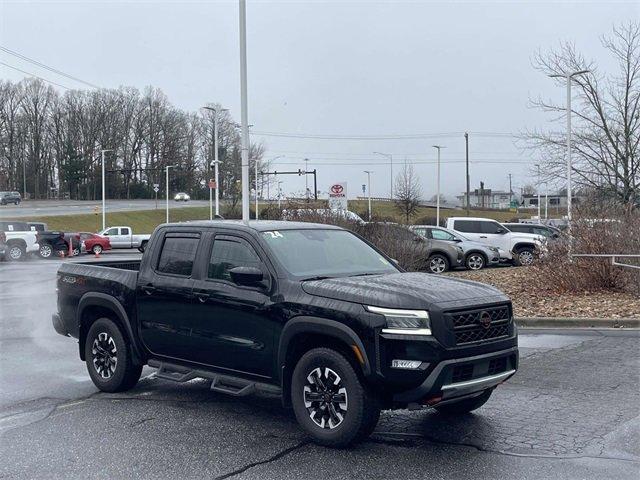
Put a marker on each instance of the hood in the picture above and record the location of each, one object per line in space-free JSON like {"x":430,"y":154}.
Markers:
{"x":404,"y":290}
{"x":528,"y":237}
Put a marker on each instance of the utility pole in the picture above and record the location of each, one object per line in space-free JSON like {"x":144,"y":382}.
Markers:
{"x":369,"y":172}
{"x":538,"y":190}
{"x":279,"y":193}
{"x":569,"y":77}
{"x":466,"y":144}
{"x":104,"y":198}
{"x":510,"y":191}
{"x":244,"y":110}
{"x":216,"y":162}
{"x":438,"y":147}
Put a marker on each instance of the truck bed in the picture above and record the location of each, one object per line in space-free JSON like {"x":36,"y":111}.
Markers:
{"x":115,"y":279}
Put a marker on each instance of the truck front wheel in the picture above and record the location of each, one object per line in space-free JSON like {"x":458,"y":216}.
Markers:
{"x":108,"y":357}
{"x":330,"y":401}
{"x":465,"y":406}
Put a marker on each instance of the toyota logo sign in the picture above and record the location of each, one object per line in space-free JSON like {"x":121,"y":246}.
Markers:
{"x":337,"y":188}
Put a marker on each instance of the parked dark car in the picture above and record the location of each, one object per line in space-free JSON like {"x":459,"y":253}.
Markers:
{"x":307,"y":311}
{"x":10,"y":197}
{"x":52,"y":244}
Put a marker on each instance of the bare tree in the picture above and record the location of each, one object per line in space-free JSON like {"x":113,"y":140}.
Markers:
{"x":606,"y":131}
{"x":407,"y":191}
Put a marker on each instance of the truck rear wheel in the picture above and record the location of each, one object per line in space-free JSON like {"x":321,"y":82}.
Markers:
{"x":467,"y":405}
{"x":108,"y":357}
{"x":330,"y":401}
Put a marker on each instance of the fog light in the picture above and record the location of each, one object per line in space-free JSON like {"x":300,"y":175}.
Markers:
{"x":406,"y":364}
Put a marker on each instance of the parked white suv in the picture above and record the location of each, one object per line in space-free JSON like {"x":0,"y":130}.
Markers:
{"x":520,"y":248}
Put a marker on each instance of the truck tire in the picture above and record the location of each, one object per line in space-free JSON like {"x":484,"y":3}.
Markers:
{"x":45,"y":251}
{"x":108,"y":357}
{"x":467,"y":405}
{"x":524,"y":257}
{"x":16,"y":252}
{"x":331,"y":402}
{"x":437,"y":263}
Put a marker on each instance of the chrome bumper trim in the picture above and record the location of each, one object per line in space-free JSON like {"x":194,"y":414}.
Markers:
{"x":475,"y":385}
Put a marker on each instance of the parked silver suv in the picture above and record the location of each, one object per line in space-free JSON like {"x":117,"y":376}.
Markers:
{"x":476,"y":255}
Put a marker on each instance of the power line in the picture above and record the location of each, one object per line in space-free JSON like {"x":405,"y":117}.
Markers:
{"x":416,"y":136}
{"x":480,"y":162}
{"x":47,"y":67}
{"x":33,"y":75}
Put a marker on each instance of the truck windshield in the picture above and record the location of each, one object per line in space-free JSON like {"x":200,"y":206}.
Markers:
{"x":325,"y":253}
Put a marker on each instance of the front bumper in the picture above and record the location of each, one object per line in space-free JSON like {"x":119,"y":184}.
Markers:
{"x":459,"y":377}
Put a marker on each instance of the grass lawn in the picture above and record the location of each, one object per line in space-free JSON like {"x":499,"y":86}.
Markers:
{"x":144,"y":221}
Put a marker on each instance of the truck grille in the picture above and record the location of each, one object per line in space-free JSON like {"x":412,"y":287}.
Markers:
{"x":481,"y":324}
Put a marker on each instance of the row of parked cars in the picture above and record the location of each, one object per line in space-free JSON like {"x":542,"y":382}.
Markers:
{"x":468,"y":242}
{"x":20,"y":239}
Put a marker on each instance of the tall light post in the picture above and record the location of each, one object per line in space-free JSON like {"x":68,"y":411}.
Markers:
{"x":216,"y":162}
{"x":390,"y":157}
{"x":438,"y":147}
{"x":244,"y":114}
{"x":279,"y":192}
{"x":166,"y":169}
{"x":538,"y":190}
{"x":569,"y":76}
{"x":306,"y":180}
{"x":104,"y":197}
{"x":369,"y":172}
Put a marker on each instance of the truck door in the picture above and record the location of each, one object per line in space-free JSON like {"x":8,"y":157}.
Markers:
{"x":114,"y":237}
{"x":233,"y":329}
{"x":494,"y":234}
{"x":164,"y":296}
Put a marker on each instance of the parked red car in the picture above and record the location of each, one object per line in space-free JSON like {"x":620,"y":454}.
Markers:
{"x":94,"y":243}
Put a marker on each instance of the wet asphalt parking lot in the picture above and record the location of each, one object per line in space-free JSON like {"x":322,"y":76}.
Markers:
{"x":572,"y":411}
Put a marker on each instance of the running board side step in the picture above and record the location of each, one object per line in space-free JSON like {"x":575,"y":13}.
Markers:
{"x":227,"y":384}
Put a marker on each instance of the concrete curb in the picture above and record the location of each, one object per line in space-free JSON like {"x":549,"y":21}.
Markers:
{"x":559,"y":322}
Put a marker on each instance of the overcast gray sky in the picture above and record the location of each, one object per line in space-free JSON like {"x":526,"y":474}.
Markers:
{"x":334,"y":68}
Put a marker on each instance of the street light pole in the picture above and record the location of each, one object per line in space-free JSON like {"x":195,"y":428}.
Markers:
{"x":438,"y":147}
{"x":216,"y":162}
{"x":279,"y":192}
{"x":306,"y":180}
{"x":244,"y":110}
{"x":167,"y":188}
{"x":369,"y":172}
{"x":569,"y":76}
{"x":104,"y":198}
{"x":390,"y":157}
{"x":538,"y":190}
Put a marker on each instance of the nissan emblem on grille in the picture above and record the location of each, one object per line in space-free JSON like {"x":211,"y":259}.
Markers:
{"x":485,"y":320}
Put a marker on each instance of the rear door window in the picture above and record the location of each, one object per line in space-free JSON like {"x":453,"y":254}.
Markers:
{"x":491,"y":227}
{"x":125,"y":231}
{"x":177,"y":255}
{"x":438,"y":234}
{"x":469,"y":226}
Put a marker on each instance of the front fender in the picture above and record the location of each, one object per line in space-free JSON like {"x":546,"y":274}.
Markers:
{"x":321,"y":326}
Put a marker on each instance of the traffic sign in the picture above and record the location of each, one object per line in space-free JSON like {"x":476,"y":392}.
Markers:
{"x":156,"y":188}
{"x":212,"y":183}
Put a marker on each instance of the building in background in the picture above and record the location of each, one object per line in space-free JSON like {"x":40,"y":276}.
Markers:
{"x":486,"y":198}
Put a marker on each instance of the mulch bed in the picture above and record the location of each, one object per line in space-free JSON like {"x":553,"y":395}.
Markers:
{"x":529,"y":302}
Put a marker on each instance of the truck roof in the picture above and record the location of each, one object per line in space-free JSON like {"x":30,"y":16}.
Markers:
{"x":259,"y":225}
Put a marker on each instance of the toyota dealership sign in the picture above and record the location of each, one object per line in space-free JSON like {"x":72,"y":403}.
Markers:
{"x":338,"y":196}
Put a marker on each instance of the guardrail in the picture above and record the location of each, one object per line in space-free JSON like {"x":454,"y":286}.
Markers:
{"x":611,"y":256}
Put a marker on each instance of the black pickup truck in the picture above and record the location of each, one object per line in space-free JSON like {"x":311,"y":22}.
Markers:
{"x":310,"y":312}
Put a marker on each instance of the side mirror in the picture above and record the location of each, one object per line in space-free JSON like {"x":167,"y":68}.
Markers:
{"x":246,"y":276}
{"x":501,"y":231}
{"x":417,"y":239}
{"x":457,"y":240}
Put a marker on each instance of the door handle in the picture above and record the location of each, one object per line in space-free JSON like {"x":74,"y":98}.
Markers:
{"x":202,"y":297}
{"x":483,"y":236}
{"x":148,"y":289}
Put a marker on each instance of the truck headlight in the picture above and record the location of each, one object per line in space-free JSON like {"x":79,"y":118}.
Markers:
{"x":404,"y":322}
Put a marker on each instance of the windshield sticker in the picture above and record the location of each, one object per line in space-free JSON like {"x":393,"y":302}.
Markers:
{"x":275,"y":234}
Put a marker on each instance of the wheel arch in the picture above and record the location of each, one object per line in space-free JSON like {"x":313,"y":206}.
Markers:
{"x":94,"y":305}
{"x":477,"y":251}
{"x":301,"y":334}
{"x":520,"y":245}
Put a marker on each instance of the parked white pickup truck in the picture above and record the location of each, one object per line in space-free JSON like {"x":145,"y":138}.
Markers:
{"x":20,"y":240}
{"x":123,"y":237}
{"x":519,"y":248}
